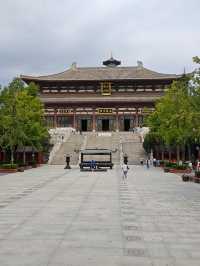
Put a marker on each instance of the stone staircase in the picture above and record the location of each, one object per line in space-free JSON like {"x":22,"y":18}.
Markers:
{"x":109,"y":141}
{"x":71,"y":147}
{"x":132,"y":146}
{"x":119,"y":143}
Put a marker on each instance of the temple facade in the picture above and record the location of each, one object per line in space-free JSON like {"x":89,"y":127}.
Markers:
{"x":106,"y":98}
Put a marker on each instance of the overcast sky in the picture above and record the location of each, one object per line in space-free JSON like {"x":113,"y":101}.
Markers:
{"x":45,"y":36}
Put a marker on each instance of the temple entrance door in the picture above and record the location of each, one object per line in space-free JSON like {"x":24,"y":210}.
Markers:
{"x":84,"y":125}
{"x":105,"y":124}
{"x":126,"y":124}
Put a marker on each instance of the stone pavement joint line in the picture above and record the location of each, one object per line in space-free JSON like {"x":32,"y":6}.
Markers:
{"x":52,"y":217}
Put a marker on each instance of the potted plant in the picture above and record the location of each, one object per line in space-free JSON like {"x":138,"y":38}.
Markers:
{"x":167,"y":166}
{"x":166,"y":169}
{"x":185,"y":177}
{"x":21,"y":169}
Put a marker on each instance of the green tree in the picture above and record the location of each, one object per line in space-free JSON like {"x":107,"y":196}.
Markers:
{"x":172,"y":119}
{"x":21,"y":117}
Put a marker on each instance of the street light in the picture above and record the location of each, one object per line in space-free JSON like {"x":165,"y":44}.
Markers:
{"x":125,"y":158}
{"x":67,"y":162}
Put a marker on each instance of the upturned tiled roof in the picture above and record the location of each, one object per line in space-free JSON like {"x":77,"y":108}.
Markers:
{"x":102,"y":73}
{"x":107,"y":99}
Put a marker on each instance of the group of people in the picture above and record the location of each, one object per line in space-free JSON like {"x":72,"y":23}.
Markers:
{"x":149,"y":162}
{"x":93,"y":165}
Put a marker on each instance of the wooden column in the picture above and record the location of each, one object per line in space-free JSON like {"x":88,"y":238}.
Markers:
{"x":74,"y":118}
{"x":117,"y":120}
{"x":93,"y":120}
{"x":136,"y":119}
{"x":55,"y":118}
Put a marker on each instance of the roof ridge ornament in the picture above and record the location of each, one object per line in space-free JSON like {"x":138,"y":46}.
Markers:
{"x":111,"y":62}
{"x":139,"y":64}
{"x":74,"y":66}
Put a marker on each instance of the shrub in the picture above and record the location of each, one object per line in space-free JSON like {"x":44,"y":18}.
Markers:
{"x":176,"y":166}
{"x":170,"y":164}
{"x":9,"y":166}
{"x":181,"y":167}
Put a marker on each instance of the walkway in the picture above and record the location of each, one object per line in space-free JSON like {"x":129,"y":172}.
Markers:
{"x":53,"y":217}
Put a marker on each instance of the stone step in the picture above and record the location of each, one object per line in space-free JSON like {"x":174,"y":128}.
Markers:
{"x":130,"y":142}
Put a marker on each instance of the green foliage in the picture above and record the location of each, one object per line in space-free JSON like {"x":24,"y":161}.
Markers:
{"x":21,"y":117}
{"x":170,"y":164}
{"x":175,"y":121}
{"x":175,"y":165}
{"x":8,"y":166}
{"x":150,"y":141}
{"x":181,"y":167}
{"x":196,"y":59}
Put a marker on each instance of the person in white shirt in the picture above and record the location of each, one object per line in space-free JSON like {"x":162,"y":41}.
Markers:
{"x":125,"y":169}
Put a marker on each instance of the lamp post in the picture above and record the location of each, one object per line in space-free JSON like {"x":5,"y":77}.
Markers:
{"x":67,"y":162}
{"x":125,"y":158}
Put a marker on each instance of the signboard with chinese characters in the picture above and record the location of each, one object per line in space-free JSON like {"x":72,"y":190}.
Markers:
{"x":65,"y":111}
{"x":106,"y":88}
{"x":104,"y":111}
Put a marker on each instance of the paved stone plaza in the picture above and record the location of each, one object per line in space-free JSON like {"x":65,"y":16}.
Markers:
{"x":53,"y":217}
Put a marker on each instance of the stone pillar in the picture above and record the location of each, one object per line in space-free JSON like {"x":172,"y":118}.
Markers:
{"x":117,"y":120}
{"x":93,"y":120}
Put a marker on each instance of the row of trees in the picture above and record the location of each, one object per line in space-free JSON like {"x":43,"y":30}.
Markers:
{"x":175,"y":123}
{"x":21,"y":119}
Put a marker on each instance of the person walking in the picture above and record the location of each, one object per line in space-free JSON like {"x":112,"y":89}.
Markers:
{"x":125,"y":169}
{"x":148,"y":163}
{"x":92,"y":165}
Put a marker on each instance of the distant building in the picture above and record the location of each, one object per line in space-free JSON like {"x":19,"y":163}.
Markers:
{"x":107,"y":98}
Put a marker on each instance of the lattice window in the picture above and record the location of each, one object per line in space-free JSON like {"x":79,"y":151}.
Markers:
{"x":106,"y":88}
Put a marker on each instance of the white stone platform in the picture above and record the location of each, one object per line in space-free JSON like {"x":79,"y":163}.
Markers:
{"x":55,"y":217}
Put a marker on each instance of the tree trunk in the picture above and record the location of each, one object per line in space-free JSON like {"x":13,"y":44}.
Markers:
{"x":162,"y":154}
{"x":12,"y":156}
{"x":156,"y":152}
{"x":183,"y":153}
{"x":170,"y":154}
{"x":4,"y":156}
{"x":189,"y":152}
{"x":24,"y":157}
{"x":178,"y":153}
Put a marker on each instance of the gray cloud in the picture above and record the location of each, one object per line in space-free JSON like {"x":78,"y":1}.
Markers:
{"x":46,"y":36}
